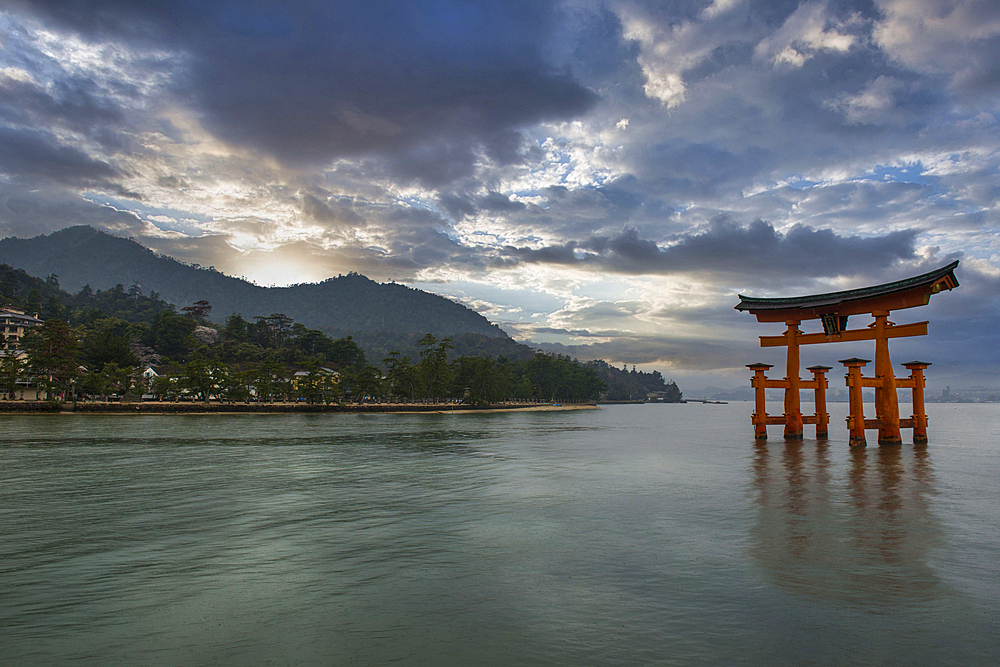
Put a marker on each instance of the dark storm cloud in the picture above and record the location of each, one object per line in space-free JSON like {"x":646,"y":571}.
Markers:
{"x":981,"y":72}
{"x":25,"y":213}
{"x":565,"y":212}
{"x":682,"y":167}
{"x":74,"y":104}
{"x":727,"y":248}
{"x":313,"y":80}
{"x":31,"y":154}
{"x":330,"y":211}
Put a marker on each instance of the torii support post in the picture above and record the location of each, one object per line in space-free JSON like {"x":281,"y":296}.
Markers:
{"x":919,"y":418}
{"x":793,"y":411}
{"x":822,"y":416}
{"x":886,"y":400}
{"x":856,"y":418}
{"x":759,"y":383}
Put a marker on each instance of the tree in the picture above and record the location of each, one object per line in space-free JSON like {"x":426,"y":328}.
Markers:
{"x":345,"y":353}
{"x":109,"y":379}
{"x":104,"y":347}
{"x":11,"y":368}
{"x":311,"y":386}
{"x":198,"y":310}
{"x":240,"y":385}
{"x":279,"y":325}
{"x":164,"y":386}
{"x":172,"y":335}
{"x":432,"y":369}
{"x":270,"y":379}
{"x":481,"y":377}
{"x":52,"y":355}
{"x":198,"y":378}
{"x":401,"y":376}
{"x":236,"y":328}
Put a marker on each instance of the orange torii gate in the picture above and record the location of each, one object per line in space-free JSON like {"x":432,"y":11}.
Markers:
{"x":832,"y":310}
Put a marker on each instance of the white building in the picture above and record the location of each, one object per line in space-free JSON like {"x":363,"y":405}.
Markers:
{"x":13,"y":324}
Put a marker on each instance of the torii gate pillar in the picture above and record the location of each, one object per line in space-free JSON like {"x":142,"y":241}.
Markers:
{"x":793,"y":409}
{"x":886,"y":401}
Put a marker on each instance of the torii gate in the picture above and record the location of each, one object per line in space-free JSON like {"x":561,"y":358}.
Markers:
{"x":832,"y":310}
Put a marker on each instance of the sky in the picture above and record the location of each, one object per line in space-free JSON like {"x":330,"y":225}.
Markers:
{"x":602,"y":177}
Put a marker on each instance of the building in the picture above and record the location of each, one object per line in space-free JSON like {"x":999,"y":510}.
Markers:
{"x":13,"y":324}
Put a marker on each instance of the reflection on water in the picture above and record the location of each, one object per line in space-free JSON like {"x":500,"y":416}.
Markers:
{"x":613,"y":537}
{"x":859,"y":533}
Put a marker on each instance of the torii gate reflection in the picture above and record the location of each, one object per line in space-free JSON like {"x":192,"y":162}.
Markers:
{"x":832,"y":310}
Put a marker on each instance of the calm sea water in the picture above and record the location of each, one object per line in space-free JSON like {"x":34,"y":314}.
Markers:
{"x":621,"y":536}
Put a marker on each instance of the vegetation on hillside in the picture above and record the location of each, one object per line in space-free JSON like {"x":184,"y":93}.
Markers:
{"x":117,"y":330}
{"x":344,"y":305}
{"x":116,"y":333}
{"x":625,"y":385}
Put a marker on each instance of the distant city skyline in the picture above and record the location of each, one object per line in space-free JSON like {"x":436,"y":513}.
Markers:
{"x":601,"y":175}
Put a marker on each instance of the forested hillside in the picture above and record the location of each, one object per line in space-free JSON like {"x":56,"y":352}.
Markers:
{"x":98,"y":343}
{"x":82,"y":256}
{"x":46,"y":299}
{"x":624,"y":385}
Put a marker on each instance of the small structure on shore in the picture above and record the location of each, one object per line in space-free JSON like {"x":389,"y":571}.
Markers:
{"x":833,"y":310}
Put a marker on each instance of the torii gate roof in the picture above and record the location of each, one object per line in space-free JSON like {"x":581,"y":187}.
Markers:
{"x":908,"y":293}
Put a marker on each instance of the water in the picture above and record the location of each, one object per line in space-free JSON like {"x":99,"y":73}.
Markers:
{"x":620,"y":536}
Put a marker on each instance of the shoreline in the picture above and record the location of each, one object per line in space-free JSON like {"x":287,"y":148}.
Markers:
{"x":186,"y":408}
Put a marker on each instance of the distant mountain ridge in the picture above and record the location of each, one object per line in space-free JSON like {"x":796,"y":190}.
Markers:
{"x":83,"y":255}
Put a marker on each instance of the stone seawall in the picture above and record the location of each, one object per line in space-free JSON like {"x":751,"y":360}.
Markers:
{"x":33,"y":407}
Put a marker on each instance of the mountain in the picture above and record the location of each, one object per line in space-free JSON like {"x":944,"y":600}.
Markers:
{"x":82,"y":255}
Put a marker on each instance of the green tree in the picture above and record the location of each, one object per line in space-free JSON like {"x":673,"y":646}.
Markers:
{"x":109,"y":379}
{"x":246,"y":380}
{"x":432,"y":370}
{"x":197,"y":378}
{"x":480,"y":376}
{"x":345,"y":353}
{"x":236,"y":328}
{"x":165,"y":387}
{"x":172,"y":335}
{"x":310,"y":386}
{"x":401,"y":378}
{"x":11,"y":369}
{"x":103,"y":347}
{"x":270,"y":379}
{"x":52,"y":349}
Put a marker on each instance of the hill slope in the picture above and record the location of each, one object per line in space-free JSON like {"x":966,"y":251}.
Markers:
{"x":85,"y":256}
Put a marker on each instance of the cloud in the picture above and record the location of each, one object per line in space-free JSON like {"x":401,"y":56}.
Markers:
{"x":330,"y":211}
{"x":25,"y":213}
{"x":757,"y":250}
{"x":72,"y":104}
{"x":426,"y":86}
{"x":32,"y":153}
{"x":958,"y":39}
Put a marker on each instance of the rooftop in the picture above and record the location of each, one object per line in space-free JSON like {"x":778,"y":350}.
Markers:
{"x":907,"y":293}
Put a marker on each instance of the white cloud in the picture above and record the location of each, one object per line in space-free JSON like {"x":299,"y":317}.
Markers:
{"x":807,"y":30}
{"x":16,"y":74}
{"x":936,"y":35}
{"x":875,"y":105}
